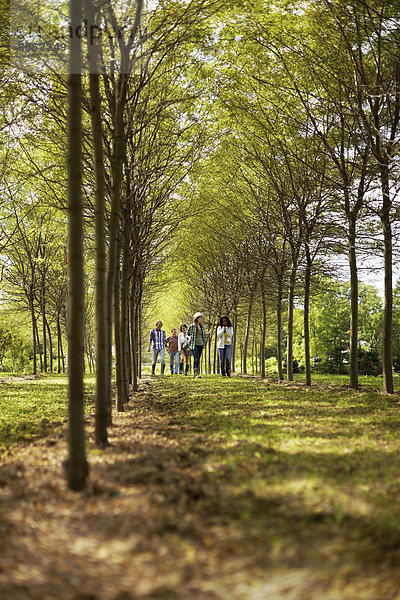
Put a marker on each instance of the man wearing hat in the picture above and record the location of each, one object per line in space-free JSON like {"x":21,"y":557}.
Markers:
{"x":197,"y":341}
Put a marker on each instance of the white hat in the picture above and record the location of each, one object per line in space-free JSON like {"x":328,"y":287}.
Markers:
{"x":197,"y":315}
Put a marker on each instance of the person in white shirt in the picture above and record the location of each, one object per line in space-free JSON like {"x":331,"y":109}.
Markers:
{"x":184,"y":350}
{"x":225,"y":336}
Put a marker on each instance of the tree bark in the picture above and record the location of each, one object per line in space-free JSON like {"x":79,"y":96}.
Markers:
{"x":247,"y":334}
{"x":33,"y":318}
{"x":289,"y":353}
{"x":118,"y":344}
{"x":44,"y":331}
{"x":124,"y":309}
{"x":58,"y":344}
{"x":353,"y":303}
{"x":306,"y":316}
{"x":264,"y":331}
{"x":102,"y":317}
{"x":215,"y":351}
{"x":279,"y":357}
{"x":50,"y":345}
{"x":38,"y":345}
{"x":235,"y":321}
{"x":388,"y":387}
{"x":76,"y":465}
{"x":117,"y":169}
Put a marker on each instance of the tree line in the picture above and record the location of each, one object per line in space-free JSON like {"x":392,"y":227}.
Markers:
{"x":254,"y":146}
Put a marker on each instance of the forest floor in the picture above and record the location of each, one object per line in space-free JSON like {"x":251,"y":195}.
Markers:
{"x":211,"y":489}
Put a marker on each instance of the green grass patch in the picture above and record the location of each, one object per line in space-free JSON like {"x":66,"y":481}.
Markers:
{"x":31,"y":407}
{"x":313,"y":468}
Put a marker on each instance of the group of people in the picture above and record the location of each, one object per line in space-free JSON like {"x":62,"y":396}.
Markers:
{"x":191,"y":341}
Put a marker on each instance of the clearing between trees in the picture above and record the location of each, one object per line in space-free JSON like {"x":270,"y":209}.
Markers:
{"x":211,"y":489}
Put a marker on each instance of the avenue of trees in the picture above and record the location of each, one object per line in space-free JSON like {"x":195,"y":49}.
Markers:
{"x":252,"y":149}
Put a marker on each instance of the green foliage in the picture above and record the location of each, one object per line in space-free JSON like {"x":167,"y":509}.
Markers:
{"x":15,"y":344}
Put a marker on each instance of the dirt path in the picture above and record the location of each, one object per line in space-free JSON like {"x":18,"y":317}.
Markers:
{"x":158,"y":523}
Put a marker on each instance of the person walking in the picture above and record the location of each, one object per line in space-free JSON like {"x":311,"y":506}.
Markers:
{"x":157,"y":338}
{"x":172,"y":347}
{"x":224,"y":337}
{"x":183,"y":347}
{"x":197,"y":341}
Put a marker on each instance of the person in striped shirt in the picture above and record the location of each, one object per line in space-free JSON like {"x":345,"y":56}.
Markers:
{"x":158,"y":339}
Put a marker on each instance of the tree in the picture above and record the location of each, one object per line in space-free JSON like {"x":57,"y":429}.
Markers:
{"x":76,"y":465}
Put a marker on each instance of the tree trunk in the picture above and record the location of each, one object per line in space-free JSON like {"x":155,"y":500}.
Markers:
{"x":118,"y":344}
{"x":354,"y":303}
{"x":209,"y":357}
{"x":58,"y":344}
{"x":215,"y":351}
{"x":76,"y":465}
{"x":33,"y":319}
{"x":279,"y":357}
{"x":38,"y":346}
{"x":235,"y":321}
{"x":113,"y":262}
{"x":62,"y":354}
{"x":44,"y":333}
{"x":128,"y":350}
{"x":102,"y":317}
{"x":264,"y":331}
{"x":124,"y":310}
{"x":50,"y":345}
{"x":306,"y":316}
{"x":388,"y":290}
{"x":134,"y":341}
{"x":247,"y":334}
{"x":139,"y":338}
{"x":289,"y":354}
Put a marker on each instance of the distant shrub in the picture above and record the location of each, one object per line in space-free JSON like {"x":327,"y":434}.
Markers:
{"x":369,"y":362}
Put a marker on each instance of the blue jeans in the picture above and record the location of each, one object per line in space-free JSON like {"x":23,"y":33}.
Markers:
{"x":196,"y":358}
{"x":225,"y":355}
{"x":173,"y":355}
{"x":156,"y":352}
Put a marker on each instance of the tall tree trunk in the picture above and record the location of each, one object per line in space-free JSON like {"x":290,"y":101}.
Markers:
{"x":50,"y":345}
{"x":247,"y":334}
{"x":306,"y":316}
{"x":388,"y":290}
{"x":215,"y":350}
{"x":134,"y":335}
{"x":124,"y":309}
{"x":289,"y":353}
{"x":139,"y":337}
{"x":209,"y":357}
{"x":264,"y":330}
{"x":128,"y":351}
{"x":118,"y":344}
{"x":279,"y":356}
{"x":102,"y":316}
{"x":113,"y":262}
{"x":58,"y":344}
{"x":33,"y":319}
{"x":62,"y":354}
{"x":38,"y":346}
{"x":44,"y":332}
{"x":235,"y":322}
{"x":353,"y":303}
{"x":76,"y":465}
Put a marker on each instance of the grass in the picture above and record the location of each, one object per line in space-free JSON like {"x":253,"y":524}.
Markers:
{"x":32,"y":406}
{"x":245,"y":480}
